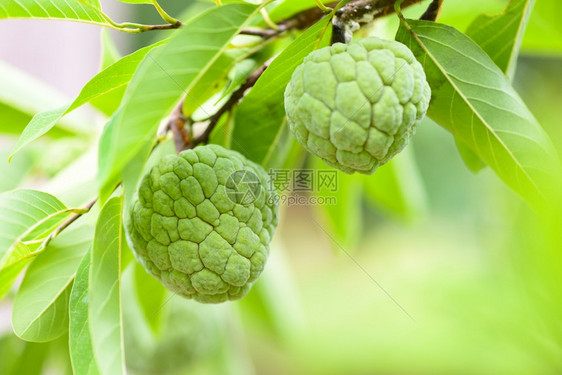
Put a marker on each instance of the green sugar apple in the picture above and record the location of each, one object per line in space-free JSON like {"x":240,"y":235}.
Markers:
{"x":202,"y":222}
{"x":356,"y":105}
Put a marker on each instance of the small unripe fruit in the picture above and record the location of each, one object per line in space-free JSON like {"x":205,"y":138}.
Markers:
{"x":202,"y":222}
{"x":356,"y":105}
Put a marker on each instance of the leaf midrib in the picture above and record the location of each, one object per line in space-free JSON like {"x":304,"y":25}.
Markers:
{"x":467,"y":102}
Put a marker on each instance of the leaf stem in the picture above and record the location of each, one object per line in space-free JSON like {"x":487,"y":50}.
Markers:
{"x":165,"y":16}
{"x":128,"y":27}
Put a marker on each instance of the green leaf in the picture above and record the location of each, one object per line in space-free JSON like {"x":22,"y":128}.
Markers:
{"x":500,"y":36}
{"x":397,"y":187}
{"x":72,"y":10}
{"x":470,"y":159}
{"x":21,"y":256}
{"x":161,"y":80}
{"x":23,"y":95}
{"x":49,"y":324}
{"x":20,"y":357}
{"x":109,"y":52}
{"x":341,"y":207}
{"x":80,"y":340}
{"x":37,"y":314}
{"x":474,"y":100}
{"x":259,"y":118}
{"x":544,"y":31}
{"x":25,"y":215}
{"x":112,"y":78}
{"x":105,"y":290}
{"x":150,"y":294}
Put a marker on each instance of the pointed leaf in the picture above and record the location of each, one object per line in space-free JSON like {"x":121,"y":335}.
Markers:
{"x":105,"y":82}
{"x":36,"y":314}
{"x":474,"y":100}
{"x":162,"y":79}
{"x":500,"y":36}
{"x":105,"y":315}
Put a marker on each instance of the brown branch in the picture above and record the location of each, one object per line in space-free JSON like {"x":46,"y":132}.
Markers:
{"x":433,"y":11}
{"x":232,"y":101}
{"x":176,"y":123}
{"x":355,"y":14}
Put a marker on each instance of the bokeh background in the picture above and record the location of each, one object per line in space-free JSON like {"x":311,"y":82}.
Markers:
{"x":452,"y":273}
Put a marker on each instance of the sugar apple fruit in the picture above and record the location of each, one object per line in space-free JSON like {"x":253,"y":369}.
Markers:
{"x":356,"y":105}
{"x":202,"y":221}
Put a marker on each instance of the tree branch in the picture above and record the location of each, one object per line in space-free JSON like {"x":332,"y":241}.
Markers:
{"x":432,"y":11}
{"x":355,"y":14}
{"x":234,"y":99}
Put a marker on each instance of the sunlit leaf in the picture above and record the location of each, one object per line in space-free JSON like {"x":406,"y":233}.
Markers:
{"x":112,"y":78}
{"x":37,"y":314}
{"x":25,"y":215}
{"x":71,"y":10}
{"x":105,"y":290}
{"x":80,"y":340}
{"x":161,"y":80}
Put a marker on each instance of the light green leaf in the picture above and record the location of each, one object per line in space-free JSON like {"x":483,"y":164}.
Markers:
{"x":21,"y":256}
{"x":109,"y":52}
{"x":340,"y":207}
{"x":544,"y":31}
{"x":112,"y":78}
{"x":469,"y":157}
{"x":23,"y":95}
{"x":238,"y":75}
{"x":25,"y":215}
{"x":397,"y":187}
{"x":161,"y":80}
{"x":37,"y":314}
{"x":474,"y":100}
{"x":52,"y":322}
{"x":20,"y":357}
{"x":259,"y":118}
{"x":150,"y":294}
{"x":105,"y":316}
{"x":500,"y":36}
{"x":72,"y":10}
{"x":80,"y":341}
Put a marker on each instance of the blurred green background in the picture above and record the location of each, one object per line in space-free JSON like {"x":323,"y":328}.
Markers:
{"x":459,"y":277}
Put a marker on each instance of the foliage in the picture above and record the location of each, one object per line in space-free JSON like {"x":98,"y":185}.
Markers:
{"x":81,"y":303}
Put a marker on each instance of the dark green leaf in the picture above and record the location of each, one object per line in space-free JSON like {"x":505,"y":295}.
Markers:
{"x":260,"y":116}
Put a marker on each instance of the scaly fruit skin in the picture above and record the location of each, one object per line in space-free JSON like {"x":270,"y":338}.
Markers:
{"x":356,"y":105}
{"x":204,"y":233}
